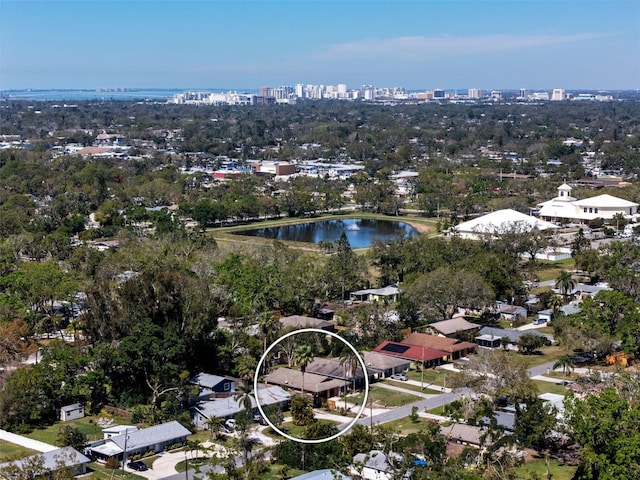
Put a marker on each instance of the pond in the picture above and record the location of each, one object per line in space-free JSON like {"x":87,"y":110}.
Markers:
{"x":360,"y":232}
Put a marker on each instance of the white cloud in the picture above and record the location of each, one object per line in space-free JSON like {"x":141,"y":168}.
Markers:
{"x":419,"y":48}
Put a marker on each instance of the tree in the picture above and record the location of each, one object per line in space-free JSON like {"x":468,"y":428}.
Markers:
{"x":498,"y":373}
{"x":343,"y":265}
{"x":244,"y":397}
{"x":566,"y":364}
{"x":303,"y":356}
{"x":565,"y":283}
{"x":536,"y":423}
{"x":69,"y":436}
{"x":608,"y":428}
{"x":15,"y":342}
{"x":214,"y":425}
{"x":445,"y":289}
{"x":349,"y":363}
{"x":301,"y":410}
{"x":529,"y":343}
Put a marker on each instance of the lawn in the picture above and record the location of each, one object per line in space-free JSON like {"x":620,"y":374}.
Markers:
{"x":11,"y":451}
{"x":547,"y":354}
{"x":435,"y":376}
{"x":86,"y":425}
{"x":382,"y":397}
{"x":415,"y":388}
{"x":537,"y":468}
{"x":405,"y":426}
{"x":551,"y":270}
{"x":296,"y":431}
{"x":99,"y":472}
{"x":549,"y":387}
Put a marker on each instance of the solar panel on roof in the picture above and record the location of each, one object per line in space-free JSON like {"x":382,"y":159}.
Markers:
{"x":395,"y":348}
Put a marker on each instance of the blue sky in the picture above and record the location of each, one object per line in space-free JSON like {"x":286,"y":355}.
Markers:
{"x":417,"y":44}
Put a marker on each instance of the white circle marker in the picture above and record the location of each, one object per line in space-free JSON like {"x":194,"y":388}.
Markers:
{"x":366,"y":386}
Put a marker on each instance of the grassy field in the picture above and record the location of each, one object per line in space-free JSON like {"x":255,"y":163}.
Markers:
{"x":405,"y":426}
{"x":548,"y":387}
{"x":296,"y":431}
{"x":435,"y":376}
{"x":551,"y":270}
{"x":382,"y":397}
{"x":99,"y":472}
{"x":548,"y":354}
{"x":414,"y":388}
{"x":11,"y":451}
{"x":86,"y":425}
{"x":537,"y":468}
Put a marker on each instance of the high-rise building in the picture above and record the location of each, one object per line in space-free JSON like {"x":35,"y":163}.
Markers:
{"x":475,"y":94}
{"x":524,"y":93}
{"x":558,"y":95}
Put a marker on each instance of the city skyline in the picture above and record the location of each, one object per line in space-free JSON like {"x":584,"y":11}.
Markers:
{"x":414,"y":44}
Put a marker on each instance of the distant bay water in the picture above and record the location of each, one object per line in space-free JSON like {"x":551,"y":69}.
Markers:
{"x":157,"y":94}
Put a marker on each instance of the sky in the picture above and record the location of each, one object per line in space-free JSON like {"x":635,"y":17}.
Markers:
{"x":416,"y":44}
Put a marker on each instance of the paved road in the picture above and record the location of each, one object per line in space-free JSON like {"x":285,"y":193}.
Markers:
{"x":164,"y":467}
{"x":26,"y":442}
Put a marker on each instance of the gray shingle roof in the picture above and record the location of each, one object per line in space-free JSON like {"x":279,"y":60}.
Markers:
{"x":151,"y":436}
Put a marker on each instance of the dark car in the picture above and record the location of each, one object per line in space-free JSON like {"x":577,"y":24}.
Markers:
{"x":259,"y":419}
{"x":138,"y":466}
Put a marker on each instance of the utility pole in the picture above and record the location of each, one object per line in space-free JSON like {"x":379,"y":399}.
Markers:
{"x":422,"y":370}
{"x":444,"y":392}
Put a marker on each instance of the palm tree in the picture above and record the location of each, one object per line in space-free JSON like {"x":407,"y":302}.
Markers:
{"x":350,"y":364}
{"x":243,"y":396}
{"x":555,"y":302}
{"x":214,"y":425}
{"x":567,"y":366}
{"x":269,"y":327}
{"x":303,"y":356}
{"x":565,"y":283}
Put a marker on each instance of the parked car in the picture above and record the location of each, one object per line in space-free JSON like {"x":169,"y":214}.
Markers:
{"x":259,"y":419}
{"x":399,"y":376}
{"x":138,"y":466}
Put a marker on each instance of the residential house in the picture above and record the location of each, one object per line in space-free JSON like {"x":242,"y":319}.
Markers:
{"x":381,"y":366}
{"x":375,"y":465}
{"x":512,"y":313}
{"x":213,"y":385}
{"x":335,"y":368}
{"x":454,"y":327}
{"x":319,"y":387}
{"x":414,"y":353}
{"x":71,"y":412}
{"x":325,"y":474}
{"x":116,"y":430}
{"x":156,"y":438}
{"x":463,"y":434}
{"x":229,"y":407}
{"x":491,"y":337}
{"x":300,"y":321}
{"x":387,"y":294}
{"x":453,"y":348}
{"x":54,"y":460}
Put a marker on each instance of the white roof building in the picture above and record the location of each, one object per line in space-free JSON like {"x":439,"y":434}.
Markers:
{"x":564,"y":207}
{"x":499,"y":222}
